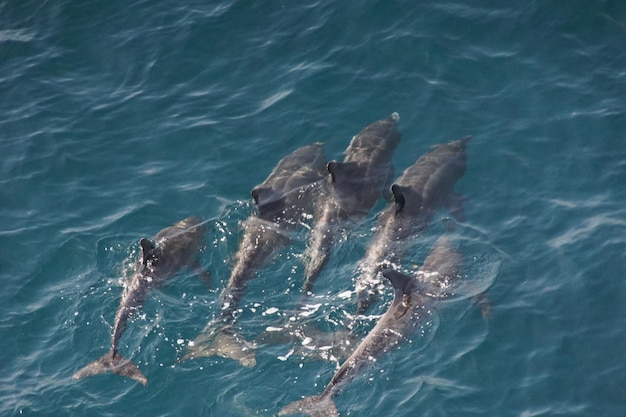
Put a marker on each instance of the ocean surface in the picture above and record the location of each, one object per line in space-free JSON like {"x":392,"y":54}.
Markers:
{"x":119,"y":118}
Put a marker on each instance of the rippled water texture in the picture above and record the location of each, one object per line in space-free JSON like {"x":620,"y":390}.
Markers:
{"x":121,"y":118}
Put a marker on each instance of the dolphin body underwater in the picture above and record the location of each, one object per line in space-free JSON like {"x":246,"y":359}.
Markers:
{"x":355,"y":185}
{"x":422,"y":189}
{"x":411,"y":307}
{"x":281,"y":201}
{"x":169,"y":251}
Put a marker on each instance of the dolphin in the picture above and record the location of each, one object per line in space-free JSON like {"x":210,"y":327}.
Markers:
{"x":354,"y":186}
{"x":161,"y":258}
{"x":418,"y":194}
{"x":282,"y":201}
{"x":410,"y":307}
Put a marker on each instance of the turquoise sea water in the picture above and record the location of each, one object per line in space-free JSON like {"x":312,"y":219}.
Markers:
{"x":120,"y":118}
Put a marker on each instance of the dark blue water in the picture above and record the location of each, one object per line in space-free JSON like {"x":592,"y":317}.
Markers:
{"x":120,"y":118}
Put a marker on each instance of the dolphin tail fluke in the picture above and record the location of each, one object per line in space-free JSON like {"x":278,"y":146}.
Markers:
{"x":224,"y":342}
{"x":112,"y":362}
{"x":317,"y":406}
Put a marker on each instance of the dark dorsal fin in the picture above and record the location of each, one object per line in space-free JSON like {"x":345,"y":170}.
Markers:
{"x":258,"y":193}
{"x":267,"y":200}
{"x":340,"y":170}
{"x":147,"y":250}
{"x":333,"y":167}
{"x":399,"y":281}
{"x":398,"y":196}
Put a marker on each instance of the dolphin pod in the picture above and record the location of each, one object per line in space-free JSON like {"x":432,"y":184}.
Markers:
{"x":281,"y":200}
{"x":304,"y":185}
{"x":421,"y":190}
{"x":169,"y":251}
{"x":410,"y":307}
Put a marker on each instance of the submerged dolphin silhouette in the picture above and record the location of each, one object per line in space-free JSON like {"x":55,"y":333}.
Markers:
{"x":410,"y":307}
{"x":172,"y":249}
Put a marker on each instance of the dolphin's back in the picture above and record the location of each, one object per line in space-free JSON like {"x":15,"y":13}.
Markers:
{"x":177,"y":246}
{"x":375,"y":141}
{"x":432,"y":178}
{"x":359,"y":180}
{"x":441,"y":268}
{"x":281,"y":195}
{"x":443,"y":259}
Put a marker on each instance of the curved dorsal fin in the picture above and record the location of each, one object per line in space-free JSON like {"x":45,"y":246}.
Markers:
{"x":401,"y":296}
{"x":398,"y":196}
{"x":340,"y":170}
{"x":267,"y":200}
{"x":333,"y":167}
{"x":147,"y":250}
{"x":399,"y":281}
{"x":258,"y":193}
